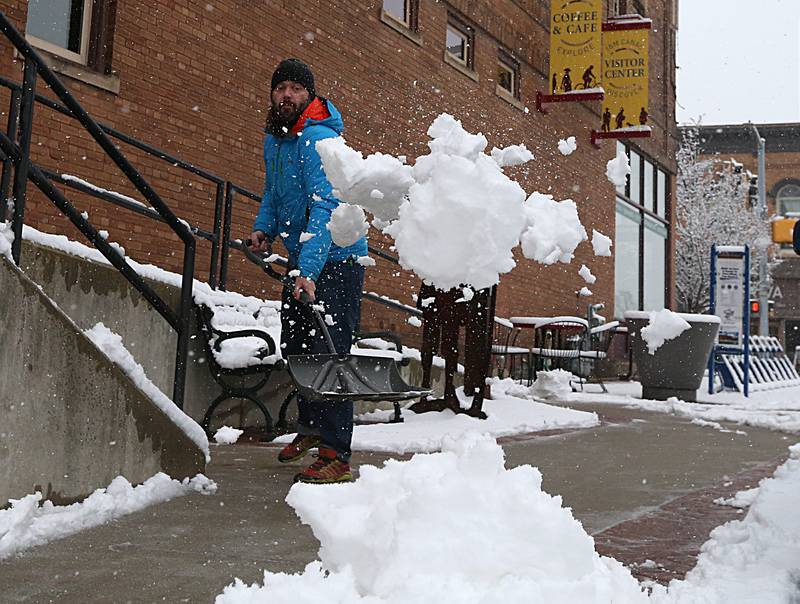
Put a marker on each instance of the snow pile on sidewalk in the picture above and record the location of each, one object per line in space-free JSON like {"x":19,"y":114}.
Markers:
{"x":227,"y":435}
{"x":26,"y":523}
{"x":664,"y":325}
{"x":509,"y":413}
{"x":111,"y":345}
{"x":552,"y":384}
{"x":772,"y":409}
{"x":450,"y":527}
{"x":755,"y":559}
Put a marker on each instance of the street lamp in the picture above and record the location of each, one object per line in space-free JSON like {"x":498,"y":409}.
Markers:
{"x":763,"y":292}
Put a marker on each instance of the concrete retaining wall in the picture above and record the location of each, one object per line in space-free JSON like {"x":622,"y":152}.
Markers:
{"x":70,"y":420}
{"x":90,"y":292}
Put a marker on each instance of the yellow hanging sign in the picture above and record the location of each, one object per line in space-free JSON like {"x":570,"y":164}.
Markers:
{"x":625,"y":75}
{"x":575,"y":45}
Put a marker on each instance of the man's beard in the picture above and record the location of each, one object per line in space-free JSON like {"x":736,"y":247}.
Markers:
{"x":280,"y":123}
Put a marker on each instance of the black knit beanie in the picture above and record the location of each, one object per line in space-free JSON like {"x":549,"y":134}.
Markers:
{"x":294,"y":70}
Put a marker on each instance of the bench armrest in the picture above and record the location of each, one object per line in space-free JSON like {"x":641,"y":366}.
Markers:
{"x":222,"y":336}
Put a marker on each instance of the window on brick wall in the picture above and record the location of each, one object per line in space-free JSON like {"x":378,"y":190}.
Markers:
{"x":80,"y":31}
{"x":507,"y":74}
{"x":460,"y":42}
{"x":642,"y":235}
{"x":628,"y":7}
{"x":403,"y":11}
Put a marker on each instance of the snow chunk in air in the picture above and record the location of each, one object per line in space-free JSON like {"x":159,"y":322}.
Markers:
{"x":601,"y":244}
{"x":515,"y":155}
{"x":586,"y":274}
{"x":347,"y":225}
{"x":463,"y":216}
{"x":554,"y":229}
{"x":617,"y":170}
{"x":355,"y":178}
{"x":567,"y":146}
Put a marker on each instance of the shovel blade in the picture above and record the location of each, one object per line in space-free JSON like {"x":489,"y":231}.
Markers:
{"x":331,"y":376}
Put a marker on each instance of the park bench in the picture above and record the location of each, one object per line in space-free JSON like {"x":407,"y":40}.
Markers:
{"x":240,"y":335}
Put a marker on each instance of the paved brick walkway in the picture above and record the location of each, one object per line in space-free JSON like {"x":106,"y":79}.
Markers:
{"x":672,"y":535}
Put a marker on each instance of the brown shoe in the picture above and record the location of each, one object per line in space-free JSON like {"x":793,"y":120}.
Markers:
{"x":327,"y":469}
{"x":296,"y":449}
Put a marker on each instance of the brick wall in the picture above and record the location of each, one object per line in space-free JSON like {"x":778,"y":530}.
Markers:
{"x":194,"y":80}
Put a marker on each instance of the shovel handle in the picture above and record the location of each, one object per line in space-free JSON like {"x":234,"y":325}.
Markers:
{"x":287,"y":281}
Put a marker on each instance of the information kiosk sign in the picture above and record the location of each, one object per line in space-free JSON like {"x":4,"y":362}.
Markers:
{"x":729,"y":300}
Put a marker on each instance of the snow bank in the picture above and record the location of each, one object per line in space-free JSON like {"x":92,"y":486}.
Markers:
{"x":567,"y":146}
{"x":26,"y":524}
{"x":755,"y":559}
{"x":450,"y":527}
{"x":110,"y":344}
{"x":741,"y":500}
{"x":227,"y":435}
{"x":664,"y":325}
{"x":6,"y":237}
{"x":554,"y":229}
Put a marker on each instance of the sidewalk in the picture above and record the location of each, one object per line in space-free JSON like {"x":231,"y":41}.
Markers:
{"x":632,"y":482}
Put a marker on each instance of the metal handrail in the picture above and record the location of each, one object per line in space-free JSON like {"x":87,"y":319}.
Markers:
{"x":142,"y":146}
{"x":24,"y":170}
{"x":16,"y":91}
{"x":23,"y":98}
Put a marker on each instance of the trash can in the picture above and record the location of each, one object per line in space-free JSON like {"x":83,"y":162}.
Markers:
{"x":677,"y":366}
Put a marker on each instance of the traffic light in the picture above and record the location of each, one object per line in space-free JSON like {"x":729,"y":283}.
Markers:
{"x":755,"y":307}
{"x":752,"y":191}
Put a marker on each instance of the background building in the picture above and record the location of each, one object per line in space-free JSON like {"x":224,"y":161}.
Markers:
{"x":782,"y":162}
{"x":191,"y":77}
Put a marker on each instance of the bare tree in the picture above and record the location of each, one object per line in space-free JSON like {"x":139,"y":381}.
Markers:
{"x":712,"y":207}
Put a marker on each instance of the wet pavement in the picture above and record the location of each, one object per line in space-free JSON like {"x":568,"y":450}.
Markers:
{"x":642,"y":484}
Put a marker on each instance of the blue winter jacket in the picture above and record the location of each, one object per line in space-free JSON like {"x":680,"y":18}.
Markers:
{"x":298,"y":197}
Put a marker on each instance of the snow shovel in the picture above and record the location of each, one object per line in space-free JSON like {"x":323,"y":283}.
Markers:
{"x":339,"y":376}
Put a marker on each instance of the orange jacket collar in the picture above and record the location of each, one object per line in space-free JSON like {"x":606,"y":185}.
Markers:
{"x":316,"y":110}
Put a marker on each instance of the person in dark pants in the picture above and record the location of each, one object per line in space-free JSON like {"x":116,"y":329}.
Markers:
{"x":296,"y":206}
